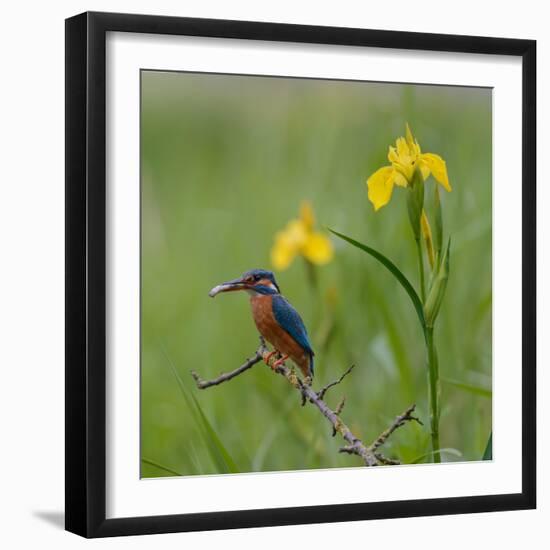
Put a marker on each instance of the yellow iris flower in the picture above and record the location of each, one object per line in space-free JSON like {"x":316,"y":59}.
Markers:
{"x":299,"y":238}
{"x":404,"y":158}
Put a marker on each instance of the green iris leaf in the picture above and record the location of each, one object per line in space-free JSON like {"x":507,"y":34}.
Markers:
{"x":394,"y":270}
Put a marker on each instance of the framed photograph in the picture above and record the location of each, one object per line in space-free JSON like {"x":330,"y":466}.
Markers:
{"x":300,"y":274}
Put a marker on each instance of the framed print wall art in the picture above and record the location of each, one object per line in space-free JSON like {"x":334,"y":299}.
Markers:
{"x":300,"y":274}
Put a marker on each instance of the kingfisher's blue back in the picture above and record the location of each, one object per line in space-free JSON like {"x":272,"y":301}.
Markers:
{"x":289,"y":319}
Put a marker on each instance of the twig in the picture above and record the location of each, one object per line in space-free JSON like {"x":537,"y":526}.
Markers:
{"x":386,"y":461}
{"x":322,"y":391}
{"x":224,"y":377}
{"x":338,"y":411}
{"x":397,"y":423}
{"x":354,"y":445}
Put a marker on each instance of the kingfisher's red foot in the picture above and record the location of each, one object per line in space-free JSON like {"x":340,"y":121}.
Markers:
{"x":279,"y":362}
{"x":269,"y":356}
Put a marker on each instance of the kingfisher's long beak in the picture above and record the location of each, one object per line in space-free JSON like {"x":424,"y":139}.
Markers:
{"x":229,"y":286}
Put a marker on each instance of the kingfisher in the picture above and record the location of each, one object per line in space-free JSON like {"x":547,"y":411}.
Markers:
{"x":276,"y":320}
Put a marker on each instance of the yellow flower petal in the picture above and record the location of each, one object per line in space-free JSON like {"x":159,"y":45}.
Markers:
{"x":437,"y":167}
{"x":295,"y":233}
{"x":283,"y":251}
{"x":288,"y":244}
{"x":409,"y":136}
{"x":402,"y":149}
{"x":424,"y":169}
{"x":282,"y":256}
{"x":380,"y":186}
{"x":400,"y":179}
{"x":318,"y":249}
{"x":307,"y":216}
{"x":414,"y":146}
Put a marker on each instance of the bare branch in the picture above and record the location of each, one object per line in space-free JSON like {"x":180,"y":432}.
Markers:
{"x":354,"y":445}
{"x":224,"y":377}
{"x":397,"y":423}
{"x":322,"y":391}
{"x":386,"y":461}
{"x":340,"y":406}
{"x":338,"y":411}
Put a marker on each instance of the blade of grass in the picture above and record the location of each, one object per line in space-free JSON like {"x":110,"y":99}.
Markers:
{"x":276,"y":427}
{"x":228,"y":461}
{"x":488,"y":454}
{"x":471,"y":388}
{"x":218,"y":453}
{"x":159,"y":466}
{"x":448,"y":450}
{"x":394,"y":270}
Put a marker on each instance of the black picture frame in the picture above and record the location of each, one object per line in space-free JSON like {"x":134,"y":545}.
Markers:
{"x":86,"y":274}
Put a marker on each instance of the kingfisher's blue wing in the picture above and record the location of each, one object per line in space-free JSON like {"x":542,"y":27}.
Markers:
{"x":290,"y":320}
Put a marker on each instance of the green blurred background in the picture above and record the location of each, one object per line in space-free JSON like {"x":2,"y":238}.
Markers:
{"x":226,"y":162}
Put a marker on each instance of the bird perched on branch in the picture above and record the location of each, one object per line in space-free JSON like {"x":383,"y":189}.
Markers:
{"x":277,"y":321}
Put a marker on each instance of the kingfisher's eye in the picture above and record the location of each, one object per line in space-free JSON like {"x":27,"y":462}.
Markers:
{"x":256,"y":277}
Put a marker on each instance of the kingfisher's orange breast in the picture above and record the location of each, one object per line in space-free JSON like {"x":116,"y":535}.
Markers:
{"x":280,"y":339}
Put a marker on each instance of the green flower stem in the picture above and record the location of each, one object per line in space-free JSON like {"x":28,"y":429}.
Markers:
{"x":317,"y":306}
{"x":433,"y":379}
{"x":421,"y":270}
{"x":312,"y":278}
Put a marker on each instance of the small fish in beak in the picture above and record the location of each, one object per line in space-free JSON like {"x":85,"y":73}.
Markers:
{"x":229,"y":286}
